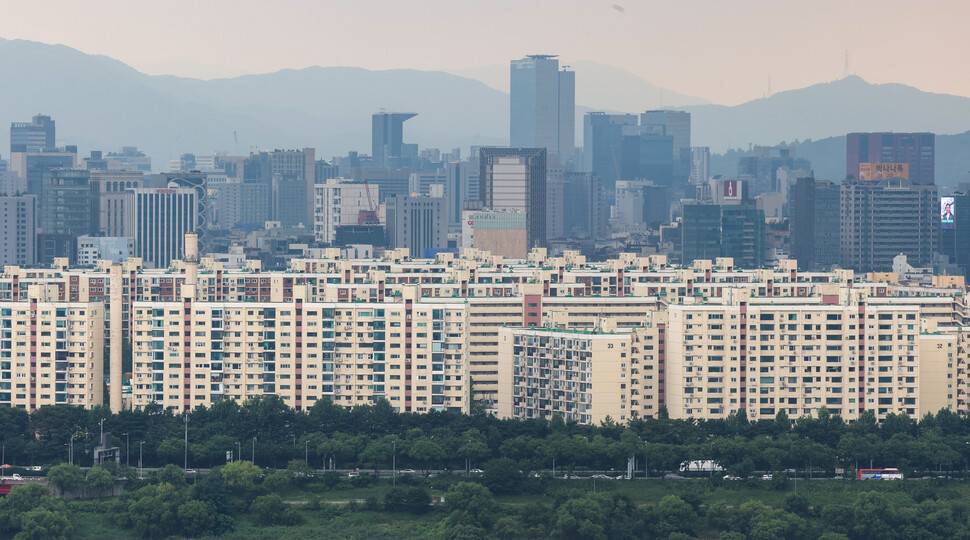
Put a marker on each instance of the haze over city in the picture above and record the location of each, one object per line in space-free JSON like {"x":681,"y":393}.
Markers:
{"x":724,"y":52}
{"x":577,"y":270}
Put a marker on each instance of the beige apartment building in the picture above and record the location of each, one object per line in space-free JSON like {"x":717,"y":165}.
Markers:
{"x":408,"y":350}
{"x":762,"y":356}
{"x":644,"y":299}
{"x":51,"y":353}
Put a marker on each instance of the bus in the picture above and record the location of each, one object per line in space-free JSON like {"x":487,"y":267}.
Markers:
{"x":880,"y":474}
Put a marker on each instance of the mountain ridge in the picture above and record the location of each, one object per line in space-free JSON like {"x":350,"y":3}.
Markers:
{"x":102,"y":103}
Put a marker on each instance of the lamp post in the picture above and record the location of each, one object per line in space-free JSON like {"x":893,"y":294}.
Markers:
{"x":254,"y":450}
{"x":238,"y":450}
{"x":127,"y":451}
{"x":186,"y":463}
{"x":140,"y":471}
{"x":394,"y":463}
{"x":306,"y":452}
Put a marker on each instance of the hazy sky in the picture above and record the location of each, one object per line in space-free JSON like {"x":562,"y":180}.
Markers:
{"x":721,"y":50}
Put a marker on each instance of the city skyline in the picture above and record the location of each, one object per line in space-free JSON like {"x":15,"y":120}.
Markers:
{"x":711,"y":63}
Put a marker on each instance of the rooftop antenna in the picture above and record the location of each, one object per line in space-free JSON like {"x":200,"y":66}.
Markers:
{"x":769,"y":84}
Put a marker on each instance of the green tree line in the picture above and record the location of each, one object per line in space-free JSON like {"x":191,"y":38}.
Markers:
{"x":267,"y":432}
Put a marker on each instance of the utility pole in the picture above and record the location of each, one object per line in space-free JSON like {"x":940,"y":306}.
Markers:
{"x":254,"y":450}
{"x":394,"y":463}
{"x":306,"y":452}
{"x":127,"y":452}
{"x":140,"y":466}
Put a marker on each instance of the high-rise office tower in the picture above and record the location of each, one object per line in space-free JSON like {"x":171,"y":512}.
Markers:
{"x":734,"y":230}
{"x":700,"y":164}
{"x":514,"y":179}
{"x":158,"y":220}
{"x":387,"y":138}
{"x":69,"y":203}
{"x":417,"y":223}
{"x":675,"y":124}
{"x":543,"y":105}
{"x":34,"y":136}
{"x":885,"y":218}
{"x":814,"y":220}
{"x":603,"y":145}
{"x":110,"y":187}
{"x":878,"y":156}
{"x":574,"y":206}
{"x":19,"y":226}
{"x":340,"y":202}
{"x":646,"y":155}
{"x":197,"y":181}
{"x":31,"y":167}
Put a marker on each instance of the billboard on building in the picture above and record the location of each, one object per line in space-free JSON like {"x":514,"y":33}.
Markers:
{"x":732,"y":190}
{"x":947,"y":212}
{"x":871,"y":172}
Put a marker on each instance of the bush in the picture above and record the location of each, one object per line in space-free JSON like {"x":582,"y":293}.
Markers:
{"x":277,"y":481}
{"x":272,"y":510}
{"x":66,"y":477}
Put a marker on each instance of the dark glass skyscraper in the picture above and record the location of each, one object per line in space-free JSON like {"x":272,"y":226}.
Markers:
{"x":916,"y":150}
{"x":543,"y":105}
{"x":387,"y":137}
{"x":814,"y":208}
{"x":603,"y":145}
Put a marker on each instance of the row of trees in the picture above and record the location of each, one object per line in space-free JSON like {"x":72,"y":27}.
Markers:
{"x":267,"y":432}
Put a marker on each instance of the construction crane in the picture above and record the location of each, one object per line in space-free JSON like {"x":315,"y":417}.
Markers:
{"x":369,"y":216}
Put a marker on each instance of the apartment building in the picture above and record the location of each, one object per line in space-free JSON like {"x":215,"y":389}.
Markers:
{"x":51,"y":352}
{"x":746,"y":354}
{"x":493,"y":293}
{"x":408,"y":350}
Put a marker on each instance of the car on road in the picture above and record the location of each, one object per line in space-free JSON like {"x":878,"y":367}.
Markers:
{"x":766,"y":477}
{"x":353,"y":474}
{"x":406,"y":471}
{"x":16,"y":476}
{"x":673,"y":476}
{"x":730,"y":477}
{"x":476,"y":471}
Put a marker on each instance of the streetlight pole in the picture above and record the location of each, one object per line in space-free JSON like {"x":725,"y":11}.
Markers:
{"x":306,"y":452}
{"x":254,"y":450}
{"x":238,"y":450}
{"x":186,"y":464}
{"x":140,"y":465}
{"x":394,"y":463}
{"x":127,"y":451}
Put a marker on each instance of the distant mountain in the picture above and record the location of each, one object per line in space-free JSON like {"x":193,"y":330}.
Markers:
{"x":100,"y":103}
{"x":598,"y":86}
{"x":822,"y":110}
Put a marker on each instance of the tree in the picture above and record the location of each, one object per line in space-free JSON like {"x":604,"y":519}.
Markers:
{"x":271,"y":510}
{"x":426,"y":452}
{"x":501,"y":475}
{"x":471,"y":504}
{"x":473,"y":446}
{"x":153,"y":510}
{"x":99,"y":480}
{"x":197,"y":518}
{"x":278,"y":481}
{"x":240,"y":475}
{"x":171,"y":474}
{"x":44,"y":524}
{"x":65,"y":477}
